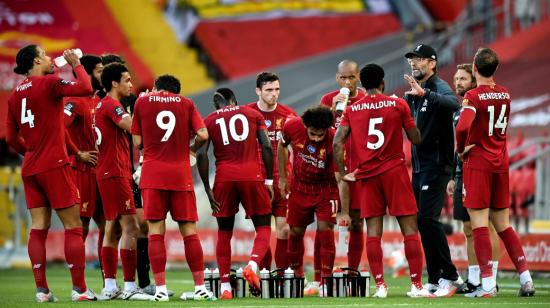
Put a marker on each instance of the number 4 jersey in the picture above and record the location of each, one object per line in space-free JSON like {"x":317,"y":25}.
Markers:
{"x":376,"y":124}
{"x":233,"y":131}
{"x":487,"y":110}
{"x":166,"y":121}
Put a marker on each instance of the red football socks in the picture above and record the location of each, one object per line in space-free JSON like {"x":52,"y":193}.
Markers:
{"x":157,"y":257}
{"x":261,"y":243}
{"x":76,"y":257}
{"x":355,"y":248}
{"x":513,"y":247}
{"x":328,"y":251}
{"x":100,"y":236}
{"x":129,"y":264}
{"x":266,"y":260}
{"x":194,"y":257}
{"x":317,"y":257}
{"x":281,"y":258}
{"x":414,"y":254}
{"x":374,"y":255}
{"x":482,"y":247}
{"x":223,"y":254}
{"x":295,"y":254}
{"x":37,"y":255}
{"x":109,"y":262}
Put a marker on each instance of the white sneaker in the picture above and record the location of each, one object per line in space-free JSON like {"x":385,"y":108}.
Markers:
{"x":381,"y":291}
{"x":160,"y":297}
{"x":136,"y":295}
{"x":107,"y":295}
{"x":479,"y":292}
{"x":202,"y":294}
{"x":42,"y":297}
{"x":431,"y":287}
{"x":447,"y":288}
{"x":322,"y":290}
{"x":416,"y":292}
{"x":89,"y":295}
{"x":312,"y":288}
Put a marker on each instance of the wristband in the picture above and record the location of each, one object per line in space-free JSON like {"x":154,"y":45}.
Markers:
{"x":268,"y":182}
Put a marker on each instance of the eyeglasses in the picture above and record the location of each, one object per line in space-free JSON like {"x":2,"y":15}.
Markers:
{"x":416,"y":60}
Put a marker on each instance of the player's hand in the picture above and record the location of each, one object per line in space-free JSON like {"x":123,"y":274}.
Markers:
{"x":89,"y":157}
{"x":144,"y":93}
{"x":451,"y":187}
{"x":283,"y":186}
{"x":71,"y":57}
{"x":137,"y":175}
{"x":345,"y":219}
{"x":270,"y":191}
{"x":214,"y":204}
{"x":349,"y":177}
{"x":466,"y":150}
{"x":416,"y":89}
{"x":338,"y":98}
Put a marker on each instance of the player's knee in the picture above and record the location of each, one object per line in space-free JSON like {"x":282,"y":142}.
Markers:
{"x":467,"y":229}
{"x":283,"y":232}
{"x":356,"y":225}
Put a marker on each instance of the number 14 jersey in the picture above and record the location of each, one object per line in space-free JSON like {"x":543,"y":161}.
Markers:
{"x":376,"y":123}
{"x":166,"y":121}
{"x":233,"y":131}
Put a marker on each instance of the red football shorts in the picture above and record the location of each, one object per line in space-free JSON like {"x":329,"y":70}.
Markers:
{"x":251,"y":194}
{"x":484,"y":189}
{"x":117,"y":197}
{"x":53,"y":188}
{"x":302,"y":207}
{"x":391,"y":189}
{"x":279,"y":203}
{"x":181,"y":204}
{"x":354,"y":202}
{"x":87,"y":186}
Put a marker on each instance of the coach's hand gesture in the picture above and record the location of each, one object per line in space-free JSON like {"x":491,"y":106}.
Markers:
{"x":416,"y":89}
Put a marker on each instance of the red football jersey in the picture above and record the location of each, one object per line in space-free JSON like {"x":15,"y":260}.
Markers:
{"x":326,"y":100}
{"x":376,"y":124}
{"x":233,"y":131}
{"x":274,"y":121}
{"x":35,"y":113}
{"x":114,"y":149}
{"x":313,"y":167}
{"x":166,"y":121}
{"x":79,"y":115}
{"x":491,"y":106}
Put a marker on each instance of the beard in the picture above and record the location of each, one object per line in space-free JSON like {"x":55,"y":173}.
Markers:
{"x":461,"y":92}
{"x":96,"y":85}
{"x":418,"y":74}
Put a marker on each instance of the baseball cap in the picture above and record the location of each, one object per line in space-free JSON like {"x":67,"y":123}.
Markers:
{"x":423,"y":51}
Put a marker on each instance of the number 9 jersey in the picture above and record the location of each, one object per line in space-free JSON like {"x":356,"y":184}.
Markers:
{"x":165,"y":121}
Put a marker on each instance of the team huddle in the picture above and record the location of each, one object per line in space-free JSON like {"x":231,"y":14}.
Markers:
{"x":344,"y":156}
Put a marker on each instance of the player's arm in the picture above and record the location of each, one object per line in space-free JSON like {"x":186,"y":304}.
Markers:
{"x":89,"y":157}
{"x":83,"y":84}
{"x":69,"y":113}
{"x":343,"y":192}
{"x":201,"y":137}
{"x":138,"y":141}
{"x":407,"y":122}
{"x":413,"y":134}
{"x":267,"y":158}
{"x":13,"y":138}
{"x":465,"y":121}
{"x":342,"y":134}
{"x":125,"y":122}
{"x":203,"y":167}
{"x":282,"y":157}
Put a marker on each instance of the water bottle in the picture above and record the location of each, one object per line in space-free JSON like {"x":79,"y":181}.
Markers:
{"x":366,"y":275}
{"x":239,"y":292}
{"x":339,"y":282}
{"x":343,"y":237}
{"x":288,"y":275}
{"x":208,"y":279}
{"x":265,"y":277}
{"x":216,"y":282}
{"x":60,"y":61}
{"x":341,"y":105}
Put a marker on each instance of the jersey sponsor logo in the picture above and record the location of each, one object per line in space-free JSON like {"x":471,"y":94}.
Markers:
{"x":119,"y":111}
{"x":267,"y":123}
{"x":311,"y":149}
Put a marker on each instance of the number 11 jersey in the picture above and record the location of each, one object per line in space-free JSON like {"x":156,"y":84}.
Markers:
{"x":166,"y":121}
{"x":233,"y":131}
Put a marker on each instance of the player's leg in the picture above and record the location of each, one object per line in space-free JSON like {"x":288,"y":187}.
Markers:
{"x":295,"y":250}
{"x":223,"y":253}
{"x":262,"y":225}
{"x":495,"y":246}
{"x":375,"y":255}
{"x":128,"y":252}
{"x":473,"y":280}
{"x":356,"y":237}
{"x":143,"y":263}
{"x":300,"y":214}
{"x":280,"y":207}
{"x":99,"y":220}
{"x":500,"y":219}
{"x":157,"y":257}
{"x":326,"y":209}
{"x":482,"y":244}
{"x":40,"y":223}
{"x":312,"y":287}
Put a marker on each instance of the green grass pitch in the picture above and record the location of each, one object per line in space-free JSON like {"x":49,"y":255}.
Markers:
{"x":17,"y":290}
